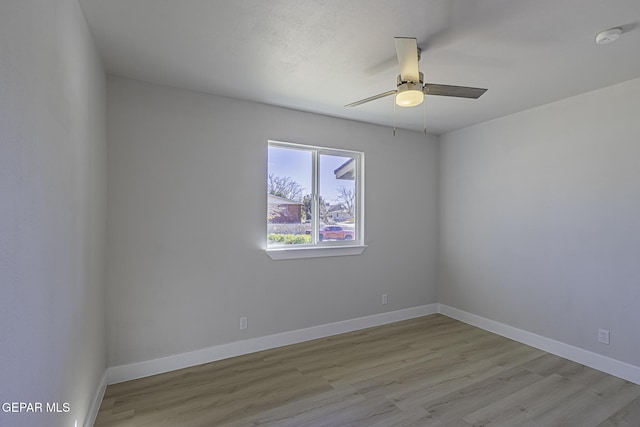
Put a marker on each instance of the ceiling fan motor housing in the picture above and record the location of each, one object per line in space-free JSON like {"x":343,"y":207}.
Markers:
{"x":421,"y":82}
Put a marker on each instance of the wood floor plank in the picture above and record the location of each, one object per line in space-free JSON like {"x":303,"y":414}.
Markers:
{"x":526,"y":404}
{"x":431,"y":371}
{"x":420,"y":392}
{"x":416,"y":417}
{"x":593,"y":405}
{"x":433,"y":366}
{"x":302,"y":411}
{"x":480,"y":394}
{"x":628,"y":416}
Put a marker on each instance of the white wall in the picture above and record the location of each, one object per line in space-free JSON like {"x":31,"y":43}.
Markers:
{"x":186,"y":220}
{"x":52,"y":210}
{"x":540,"y":220}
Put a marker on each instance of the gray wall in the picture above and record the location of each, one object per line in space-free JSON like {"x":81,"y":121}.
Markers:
{"x":186,"y":220}
{"x":540,"y":220}
{"x":52,"y":210}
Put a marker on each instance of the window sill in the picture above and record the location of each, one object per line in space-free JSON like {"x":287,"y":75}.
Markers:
{"x":314,"y":252}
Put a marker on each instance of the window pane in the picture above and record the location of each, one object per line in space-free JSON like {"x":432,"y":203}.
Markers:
{"x":337,"y":198}
{"x":289,"y":189}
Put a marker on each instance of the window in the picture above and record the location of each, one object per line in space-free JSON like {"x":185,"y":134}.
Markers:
{"x":314,"y":201}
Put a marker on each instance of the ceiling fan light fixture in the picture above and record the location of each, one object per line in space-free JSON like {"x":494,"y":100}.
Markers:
{"x":409,"y":95}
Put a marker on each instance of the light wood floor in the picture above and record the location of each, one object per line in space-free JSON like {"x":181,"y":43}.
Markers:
{"x":430,"y":371}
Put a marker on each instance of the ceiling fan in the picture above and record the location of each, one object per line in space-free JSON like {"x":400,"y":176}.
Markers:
{"x":411,"y":88}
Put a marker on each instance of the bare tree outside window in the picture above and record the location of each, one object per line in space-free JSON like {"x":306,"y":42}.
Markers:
{"x":347,"y":197}
{"x":284,"y":186}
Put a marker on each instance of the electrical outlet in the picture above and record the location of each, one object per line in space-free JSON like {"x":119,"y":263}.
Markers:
{"x":603,"y":336}
{"x":243,"y":322}
{"x":384,"y":299}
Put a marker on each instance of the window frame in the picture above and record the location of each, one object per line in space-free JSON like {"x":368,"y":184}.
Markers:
{"x":317,"y":247}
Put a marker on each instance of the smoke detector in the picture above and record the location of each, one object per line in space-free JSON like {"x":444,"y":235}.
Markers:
{"x":608,"y":36}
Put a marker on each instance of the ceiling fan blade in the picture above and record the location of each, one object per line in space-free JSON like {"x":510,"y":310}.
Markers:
{"x":372,"y":98}
{"x":457,"y":91}
{"x":407,"y":51}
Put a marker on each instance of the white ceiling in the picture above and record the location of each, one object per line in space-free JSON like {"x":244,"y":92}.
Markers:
{"x":318,"y":55}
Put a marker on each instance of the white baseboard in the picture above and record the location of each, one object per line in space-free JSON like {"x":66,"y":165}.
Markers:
{"x":117,"y":374}
{"x":579,"y":355}
{"x":90,"y":419}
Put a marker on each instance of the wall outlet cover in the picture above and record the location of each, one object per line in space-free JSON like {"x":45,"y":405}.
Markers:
{"x":603,"y":336}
